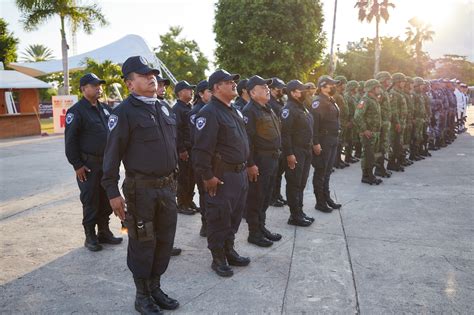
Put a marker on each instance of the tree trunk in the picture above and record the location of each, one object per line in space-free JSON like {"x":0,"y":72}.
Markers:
{"x":332,"y":67}
{"x":377,"y":47}
{"x":64,"y":49}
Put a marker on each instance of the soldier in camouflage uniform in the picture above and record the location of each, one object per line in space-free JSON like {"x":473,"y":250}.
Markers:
{"x":420,"y":118}
{"x":357,"y":143}
{"x":428,"y":134}
{"x":368,"y":120}
{"x":407,"y":134}
{"x":351,"y":101}
{"x":385,"y":80}
{"x":399,"y":114}
{"x":344,"y":119}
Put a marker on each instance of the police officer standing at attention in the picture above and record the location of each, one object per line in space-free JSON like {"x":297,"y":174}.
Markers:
{"x":243,"y":97}
{"x":263,"y":130}
{"x":276,"y":103}
{"x":184,"y":93}
{"x":325,"y":142}
{"x":297,"y":142}
{"x":220,"y":152}
{"x":143,"y":136}
{"x":85,"y":138}
{"x":202,"y":96}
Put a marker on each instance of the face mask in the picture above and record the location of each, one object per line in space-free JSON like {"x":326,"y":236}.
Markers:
{"x":332,"y":91}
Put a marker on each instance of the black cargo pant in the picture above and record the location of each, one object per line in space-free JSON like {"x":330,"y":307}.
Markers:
{"x":95,"y":204}
{"x":261,"y":191}
{"x":151,"y":222}
{"x":224,"y":210}
{"x":296,"y":178}
{"x":186,"y":182}
{"x":322,"y":165}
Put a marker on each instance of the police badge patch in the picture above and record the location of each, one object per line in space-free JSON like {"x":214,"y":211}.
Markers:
{"x":200,"y":123}
{"x":192,"y":118}
{"x":113,"y":120}
{"x":69,"y":118}
{"x":315,"y":104}
{"x":165,"y":110}
{"x":285,"y":113}
{"x":246,"y":119}
{"x":143,"y":60}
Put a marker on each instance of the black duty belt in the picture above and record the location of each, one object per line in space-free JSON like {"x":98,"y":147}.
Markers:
{"x":236,"y":168}
{"x":271,"y":153}
{"x":92,"y":158}
{"x":143,"y":181}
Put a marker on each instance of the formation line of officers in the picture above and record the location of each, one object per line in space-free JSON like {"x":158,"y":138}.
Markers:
{"x":235,"y":139}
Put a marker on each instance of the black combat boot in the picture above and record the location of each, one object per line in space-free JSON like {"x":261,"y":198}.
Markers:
{"x":257,"y":238}
{"x":91,"y":242}
{"x":144,"y":303}
{"x":106,"y":236}
{"x":368,"y":177}
{"x":219,"y":263}
{"x":175,"y":251}
{"x":277,"y":203}
{"x":305,"y":216}
{"x":321,"y":203}
{"x":233,"y":258}
{"x":183,"y":209}
{"x":297,"y":218}
{"x":377,"y":181}
{"x":160,"y":297}
{"x":274,"y":237}
{"x":330,"y":202}
{"x":392,"y":165}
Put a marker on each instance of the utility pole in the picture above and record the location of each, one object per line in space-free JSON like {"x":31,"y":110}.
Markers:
{"x":331,"y":55}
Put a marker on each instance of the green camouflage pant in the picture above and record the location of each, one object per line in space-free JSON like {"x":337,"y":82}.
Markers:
{"x":370,"y":150}
{"x":385,"y":138}
{"x":407,"y":135}
{"x":419,"y":131}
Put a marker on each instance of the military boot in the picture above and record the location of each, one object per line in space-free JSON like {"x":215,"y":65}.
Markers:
{"x":296,"y":218}
{"x":91,"y":242}
{"x":274,"y":237}
{"x":321,"y":203}
{"x":233,"y":258}
{"x":106,"y":236}
{"x":160,"y":297}
{"x":330,"y":202}
{"x":392,"y":165}
{"x":368,"y":178}
{"x":144,"y":303}
{"x":305,"y":216}
{"x":257,"y":238}
{"x":219,"y":263}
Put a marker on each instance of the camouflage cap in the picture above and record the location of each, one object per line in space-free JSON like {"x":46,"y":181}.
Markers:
{"x":383,"y":75}
{"x":361,"y":84}
{"x":342,"y":79}
{"x":371,"y":84}
{"x":410,"y":80}
{"x":353,"y":84}
{"x":418,"y":81}
{"x":398,"y":77}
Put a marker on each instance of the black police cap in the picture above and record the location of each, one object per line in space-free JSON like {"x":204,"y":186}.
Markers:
{"x":90,"y":78}
{"x":242,"y":85}
{"x":325,"y":79}
{"x":221,"y":75}
{"x":160,"y":79}
{"x":296,"y":85}
{"x":202,"y":86}
{"x":137,"y":64}
{"x":257,"y":80}
{"x":183,"y":85}
{"x":277,"y":83}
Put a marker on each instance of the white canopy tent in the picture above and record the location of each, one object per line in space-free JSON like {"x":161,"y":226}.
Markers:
{"x":10,"y":79}
{"x":117,"y":52}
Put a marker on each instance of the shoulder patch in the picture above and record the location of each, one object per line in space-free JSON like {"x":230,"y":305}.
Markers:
{"x":69,"y":118}
{"x":113,"y":121}
{"x":315,"y":104}
{"x":285,"y":113}
{"x":246,"y":119}
{"x":200,"y":123}
{"x":240,"y":113}
{"x":165,"y":110}
{"x":192,"y":118}
{"x":106,"y":112}
{"x":360,"y":105}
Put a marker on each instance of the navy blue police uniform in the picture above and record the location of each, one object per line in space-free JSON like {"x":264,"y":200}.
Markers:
{"x":263,"y":130}
{"x":240,"y":102}
{"x":297,"y":140}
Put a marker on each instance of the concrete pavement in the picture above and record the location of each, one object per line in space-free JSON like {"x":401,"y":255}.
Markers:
{"x":405,"y":246}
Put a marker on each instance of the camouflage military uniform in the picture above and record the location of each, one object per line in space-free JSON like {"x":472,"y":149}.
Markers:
{"x":351,"y":101}
{"x":344,"y":120}
{"x":386,"y":114}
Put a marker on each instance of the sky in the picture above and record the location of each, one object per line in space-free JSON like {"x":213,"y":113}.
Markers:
{"x":452,"y":20}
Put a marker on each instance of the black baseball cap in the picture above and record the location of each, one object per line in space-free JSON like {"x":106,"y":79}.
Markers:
{"x":202,"y":86}
{"x":90,"y":78}
{"x":296,"y":85}
{"x":242,"y":85}
{"x":257,"y":80}
{"x":183,"y":85}
{"x":325,"y":79}
{"x":221,"y":75}
{"x":160,"y":79}
{"x":137,"y":64}
{"x":277,"y":83}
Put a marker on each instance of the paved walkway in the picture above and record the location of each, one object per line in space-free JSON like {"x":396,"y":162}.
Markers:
{"x":405,"y":246}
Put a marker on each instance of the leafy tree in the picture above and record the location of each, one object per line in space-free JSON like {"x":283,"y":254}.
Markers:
{"x":417,"y":33}
{"x":36,"y":12}
{"x":378,"y":9}
{"x":269,"y":37}
{"x":37,"y":52}
{"x":183,"y":57}
{"x":8,"y":44}
{"x":455,"y":66}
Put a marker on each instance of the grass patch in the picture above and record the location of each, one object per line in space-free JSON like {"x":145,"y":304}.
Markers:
{"x":47,"y":125}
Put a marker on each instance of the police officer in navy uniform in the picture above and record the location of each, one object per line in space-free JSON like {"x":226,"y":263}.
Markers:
{"x":184,"y":93}
{"x":297,"y":142}
{"x":243,"y":97}
{"x":220,"y":154}
{"x":277,"y":103}
{"x":85,"y":138}
{"x":201,"y":97}
{"x":143,"y":136}
{"x":325,"y":142}
{"x":263,"y":130}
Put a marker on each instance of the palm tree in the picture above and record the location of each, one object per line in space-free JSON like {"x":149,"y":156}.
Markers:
{"x":417,"y":33}
{"x":378,"y":9}
{"x":36,"y":53}
{"x":36,"y":12}
{"x":108,"y":71}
